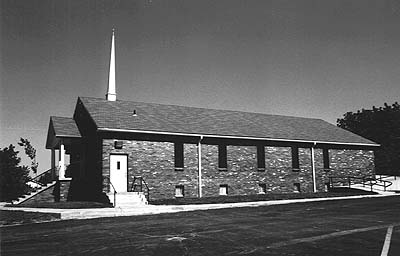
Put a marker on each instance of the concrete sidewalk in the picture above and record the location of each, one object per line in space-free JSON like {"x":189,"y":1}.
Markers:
{"x":68,"y":214}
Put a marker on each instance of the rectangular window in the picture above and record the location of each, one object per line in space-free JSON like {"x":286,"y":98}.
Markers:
{"x":261,"y":158}
{"x":223,"y":190}
{"x":295,"y":159}
{"x":222,"y":158}
{"x":178,"y":153}
{"x":262,"y":188}
{"x":118,"y":165}
{"x":325,"y":153}
{"x":179,"y":191}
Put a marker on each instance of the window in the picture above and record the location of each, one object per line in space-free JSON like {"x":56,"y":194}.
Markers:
{"x":223,"y":190}
{"x":178,"y":156}
{"x":222,"y":159}
{"x":261,"y":158}
{"x":179,"y":191}
{"x":295,"y":159}
{"x":262,"y":188}
{"x":325,"y":153}
{"x":118,"y":165}
{"x":296,"y":187}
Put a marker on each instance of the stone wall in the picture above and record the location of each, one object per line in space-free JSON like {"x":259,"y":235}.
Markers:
{"x":279,"y":176}
{"x":64,"y":190}
{"x":354,"y":163}
{"x":154,"y":161}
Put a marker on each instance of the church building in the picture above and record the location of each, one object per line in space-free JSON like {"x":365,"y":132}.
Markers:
{"x":119,"y":147}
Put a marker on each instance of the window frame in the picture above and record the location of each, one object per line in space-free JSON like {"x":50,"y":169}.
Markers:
{"x":261,"y":158}
{"x":222,"y":157}
{"x":295,"y":159}
{"x":325,"y":156}
{"x":179,"y":156}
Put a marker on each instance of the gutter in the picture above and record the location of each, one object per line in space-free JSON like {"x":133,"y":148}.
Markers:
{"x":236,"y":137}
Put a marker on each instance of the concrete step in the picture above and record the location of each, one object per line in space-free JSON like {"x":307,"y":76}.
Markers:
{"x":32,"y":194}
{"x":128,"y":199}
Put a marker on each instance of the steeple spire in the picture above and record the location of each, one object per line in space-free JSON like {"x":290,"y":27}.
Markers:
{"x":111,"y":94}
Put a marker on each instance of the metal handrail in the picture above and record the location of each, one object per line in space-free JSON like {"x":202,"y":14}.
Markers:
{"x":374,"y":179}
{"x":140,"y":186}
{"x":382,"y":176}
{"x":366,"y":180}
{"x":147,"y":194}
{"x":48,"y":176}
{"x":44,"y":178}
{"x":115,"y":191}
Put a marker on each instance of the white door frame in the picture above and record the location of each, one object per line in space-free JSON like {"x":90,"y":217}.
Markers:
{"x":119,"y":172}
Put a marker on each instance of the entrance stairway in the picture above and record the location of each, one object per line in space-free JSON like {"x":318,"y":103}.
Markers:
{"x":38,"y":190}
{"x":137,"y":195}
{"x":38,"y":184}
{"x":128,"y":199}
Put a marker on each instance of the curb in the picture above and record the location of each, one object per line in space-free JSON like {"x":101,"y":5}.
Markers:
{"x":70,"y":214}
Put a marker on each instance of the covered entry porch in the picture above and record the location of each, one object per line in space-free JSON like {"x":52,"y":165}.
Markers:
{"x":64,"y":141}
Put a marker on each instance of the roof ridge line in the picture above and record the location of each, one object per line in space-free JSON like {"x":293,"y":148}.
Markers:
{"x":236,"y":111}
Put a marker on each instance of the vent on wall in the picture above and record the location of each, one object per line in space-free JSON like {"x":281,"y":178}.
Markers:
{"x":179,"y":191}
{"x":296,"y":187}
{"x":118,"y":144}
{"x":223,"y":190}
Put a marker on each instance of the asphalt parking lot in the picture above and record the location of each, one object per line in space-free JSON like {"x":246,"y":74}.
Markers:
{"x":343,"y":227}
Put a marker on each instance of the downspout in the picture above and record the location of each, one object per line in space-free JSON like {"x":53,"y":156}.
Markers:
{"x":199,"y":166}
{"x":313,"y":167}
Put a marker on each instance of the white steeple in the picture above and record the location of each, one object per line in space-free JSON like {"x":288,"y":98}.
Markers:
{"x":111,"y":94}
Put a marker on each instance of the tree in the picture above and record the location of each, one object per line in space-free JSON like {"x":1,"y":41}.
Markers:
{"x":381,"y":125}
{"x":13,"y":177}
{"x":30,"y":151}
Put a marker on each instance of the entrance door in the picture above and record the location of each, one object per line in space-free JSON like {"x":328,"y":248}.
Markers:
{"x":119,"y":172}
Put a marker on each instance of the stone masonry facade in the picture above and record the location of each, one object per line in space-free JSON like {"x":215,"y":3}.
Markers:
{"x":154,"y":161}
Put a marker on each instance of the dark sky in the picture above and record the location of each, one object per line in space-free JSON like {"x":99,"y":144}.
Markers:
{"x":307,"y":58}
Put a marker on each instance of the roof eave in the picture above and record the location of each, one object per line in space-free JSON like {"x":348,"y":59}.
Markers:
{"x":315,"y":142}
{"x":68,"y":136}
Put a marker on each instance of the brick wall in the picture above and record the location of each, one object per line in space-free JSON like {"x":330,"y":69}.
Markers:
{"x":154,"y":161}
{"x":279,"y":176}
{"x":356,"y":163}
{"x":64,"y":190}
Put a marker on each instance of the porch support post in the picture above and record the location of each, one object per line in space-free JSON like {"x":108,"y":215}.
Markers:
{"x":53,"y":163}
{"x":313,"y":167}
{"x":199,"y":165}
{"x":61,"y":174}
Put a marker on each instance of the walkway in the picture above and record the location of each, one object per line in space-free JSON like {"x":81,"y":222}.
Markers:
{"x":158,"y":209}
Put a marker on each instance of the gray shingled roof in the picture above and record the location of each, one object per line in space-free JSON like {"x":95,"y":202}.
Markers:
{"x":64,"y":126}
{"x":190,"y":120}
